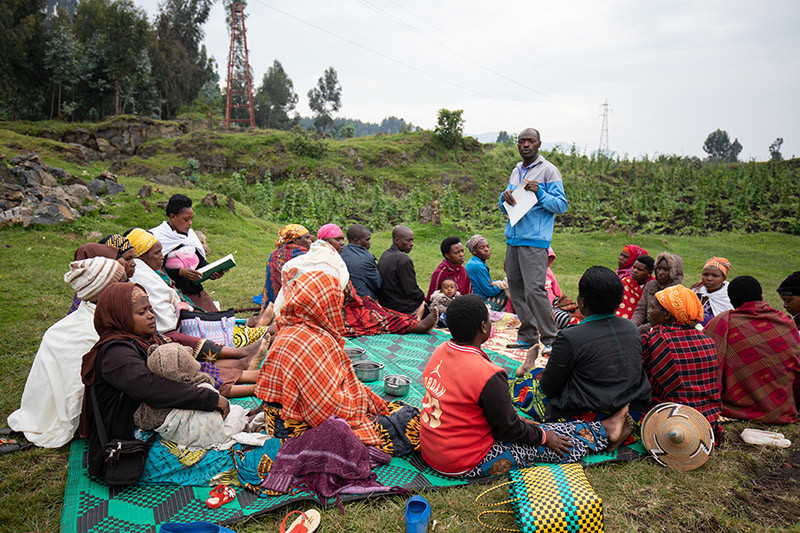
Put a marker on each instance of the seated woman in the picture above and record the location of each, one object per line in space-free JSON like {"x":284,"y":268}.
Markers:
{"x":468,"y":425}
{"x":183,"y":251}
{"x":681,"y":361}
{"x":113,"y":247}
{"x":493,"y":292}
{"x":308,"y":377}
{"x":53,"y":395}
{"x":632,"y":285}
{"x":452,"y":266}
{"x":115,"y":372}
{"x":166,"y":305}
{"x":758,"y":354}
{"x":362,"y":315}
{"x":627,"y":257}
{"x":595,"y":368}
{"x":712,"y":289}
{"x":789,"y":291}
{"x":293,"y":241}
{"x":668,"y":272}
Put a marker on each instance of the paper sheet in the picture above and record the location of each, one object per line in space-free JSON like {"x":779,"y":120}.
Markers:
{"x":525,"y":200}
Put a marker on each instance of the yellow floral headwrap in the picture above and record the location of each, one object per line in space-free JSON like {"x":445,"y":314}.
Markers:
{"x":289,"y":233}
{"x":141,"y":240}
{"x":682,"y":303}
{"x":721,"y":263}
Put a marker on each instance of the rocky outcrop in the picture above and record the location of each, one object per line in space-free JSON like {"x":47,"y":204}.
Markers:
{"x":123,"y":136}
{"x":33,"y":193}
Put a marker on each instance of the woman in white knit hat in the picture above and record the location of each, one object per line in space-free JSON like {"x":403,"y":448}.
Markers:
{"x":52,"y":399}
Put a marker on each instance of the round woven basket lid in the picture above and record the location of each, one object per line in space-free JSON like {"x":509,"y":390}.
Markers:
{"x":677,"y":436}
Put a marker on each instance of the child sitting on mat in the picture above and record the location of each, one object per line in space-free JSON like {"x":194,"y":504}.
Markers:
{"x":442,"y":297}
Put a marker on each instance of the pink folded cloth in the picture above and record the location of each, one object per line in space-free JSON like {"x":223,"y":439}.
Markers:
{"x":184,"y":257}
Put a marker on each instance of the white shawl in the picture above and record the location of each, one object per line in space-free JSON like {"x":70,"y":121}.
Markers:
{"x":171,"y":239}
{"x":718,"y":299}
{"x":321,"y":256}
{"x":163,"y":298}
{"x":53,"y":396}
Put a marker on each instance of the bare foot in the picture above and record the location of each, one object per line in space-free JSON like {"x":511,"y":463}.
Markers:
{"x":618,"y":426}
{"x":426,"y":324}
{"x":420,"y":311}
{"x":264,"y":317}
{"x":258,"y":357}
{"x":530,"y":360}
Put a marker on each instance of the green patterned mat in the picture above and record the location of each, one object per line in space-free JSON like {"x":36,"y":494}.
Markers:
{"x":91,"y":506}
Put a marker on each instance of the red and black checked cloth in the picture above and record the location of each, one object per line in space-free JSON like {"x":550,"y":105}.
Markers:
{"x":681,"y":363}
{"x":307,"y":371}
{"x":758,"y":353}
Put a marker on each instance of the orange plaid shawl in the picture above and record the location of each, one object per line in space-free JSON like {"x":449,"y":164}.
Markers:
{"x":307,"y":371}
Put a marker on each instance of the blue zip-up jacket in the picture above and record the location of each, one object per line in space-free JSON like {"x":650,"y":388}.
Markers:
{"x":536,"y":227}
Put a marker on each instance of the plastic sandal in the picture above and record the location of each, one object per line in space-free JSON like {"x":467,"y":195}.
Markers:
{"x":307,"y":522}
{"x":520,"y":345}
{"x":221,"y":495}
{"x":418,"y":514}
{"x":13,"y":445}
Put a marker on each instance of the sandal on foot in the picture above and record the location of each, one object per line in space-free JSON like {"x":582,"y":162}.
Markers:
{"x":221,"y":495}
{"x":307,"y":522}
{"x":520,"y":345}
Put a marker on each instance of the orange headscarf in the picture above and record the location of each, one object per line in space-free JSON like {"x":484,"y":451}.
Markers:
{"x":682,"y":303}
{"x":721,"y":263}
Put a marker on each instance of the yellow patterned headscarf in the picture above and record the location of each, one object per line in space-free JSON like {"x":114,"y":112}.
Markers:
{"x":117,"y":241}
{"x":682,"y":303}
{"x":721,"y":263}
{"x":141,"y":240}
{"x":288,"y":233}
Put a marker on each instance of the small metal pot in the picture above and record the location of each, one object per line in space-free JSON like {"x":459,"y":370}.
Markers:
{"x":367,"y":370}
{"x":355,"y":353}
{"x":396,"y":385}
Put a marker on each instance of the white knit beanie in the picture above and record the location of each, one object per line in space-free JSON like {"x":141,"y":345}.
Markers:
{"x":90,"y":277}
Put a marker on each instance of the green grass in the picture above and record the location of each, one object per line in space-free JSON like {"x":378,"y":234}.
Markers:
{"x":730,"y":493}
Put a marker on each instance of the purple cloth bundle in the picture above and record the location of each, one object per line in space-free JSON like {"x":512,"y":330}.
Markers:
{"x":327,"y":460}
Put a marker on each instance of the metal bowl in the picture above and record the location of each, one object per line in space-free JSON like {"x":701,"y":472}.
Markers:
{"x":355,"y":353}
{"x":396,"y":385}
{"x":367,"y":370}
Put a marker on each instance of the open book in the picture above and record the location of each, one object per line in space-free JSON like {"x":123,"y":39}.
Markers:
{"x":220,"y":265}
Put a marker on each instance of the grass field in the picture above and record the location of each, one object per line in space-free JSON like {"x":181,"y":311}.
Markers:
{"x":741,"y":488}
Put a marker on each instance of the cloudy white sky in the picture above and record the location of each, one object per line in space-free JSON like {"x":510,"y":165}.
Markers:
{"x":671,"y":72}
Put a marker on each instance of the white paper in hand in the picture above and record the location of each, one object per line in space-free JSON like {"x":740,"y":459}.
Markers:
{"x":525,"y":200}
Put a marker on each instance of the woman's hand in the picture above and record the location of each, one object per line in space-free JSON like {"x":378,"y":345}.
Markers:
{"x":190,"y":274}
{"x":217,"y":275}
{"x":557,"y":443}
{"x":223,"y":406}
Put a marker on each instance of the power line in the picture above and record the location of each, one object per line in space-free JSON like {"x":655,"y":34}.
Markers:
{"x":370,"y":50}
{"x":446,"y":47}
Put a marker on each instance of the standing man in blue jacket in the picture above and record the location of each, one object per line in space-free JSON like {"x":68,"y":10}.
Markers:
{"x":528,"y":240}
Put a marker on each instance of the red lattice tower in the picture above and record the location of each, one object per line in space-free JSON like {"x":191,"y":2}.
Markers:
{"x":239,"y":93}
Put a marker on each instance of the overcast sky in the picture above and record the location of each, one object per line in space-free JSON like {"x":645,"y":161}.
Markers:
{"x":671,"y":72}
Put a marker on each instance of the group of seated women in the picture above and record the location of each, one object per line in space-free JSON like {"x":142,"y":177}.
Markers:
{"x":638,"y":340}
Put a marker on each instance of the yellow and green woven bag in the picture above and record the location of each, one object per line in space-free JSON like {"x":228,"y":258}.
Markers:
{"x":550,"y":499}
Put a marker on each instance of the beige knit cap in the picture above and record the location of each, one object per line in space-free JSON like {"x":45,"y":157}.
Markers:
{"x":90,"y":277}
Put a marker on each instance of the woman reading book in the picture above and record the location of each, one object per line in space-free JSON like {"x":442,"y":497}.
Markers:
{"x":184,"y":252}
